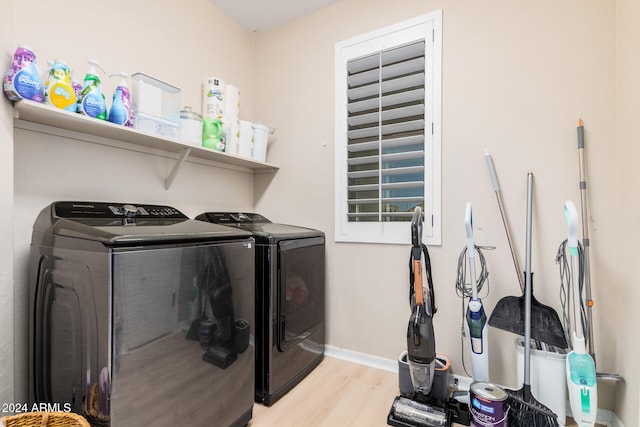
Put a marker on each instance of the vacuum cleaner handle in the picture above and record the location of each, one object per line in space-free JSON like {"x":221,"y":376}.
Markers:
{"x":416,"y":228}
{"x":417,"y":282}
{"x":571,"y":216}
{"x":416,"y":254}
{"x":471,"y":249}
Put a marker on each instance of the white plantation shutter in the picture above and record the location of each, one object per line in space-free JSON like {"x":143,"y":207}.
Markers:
{"x":387,"y":133}
{"x":385,"y":137}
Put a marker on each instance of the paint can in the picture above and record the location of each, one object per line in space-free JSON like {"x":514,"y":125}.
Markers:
{"x":488,"y":405}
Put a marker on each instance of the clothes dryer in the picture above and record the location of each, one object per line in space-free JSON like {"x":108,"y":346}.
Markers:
{"x":140,"y":316}
{"x":290,"y":300}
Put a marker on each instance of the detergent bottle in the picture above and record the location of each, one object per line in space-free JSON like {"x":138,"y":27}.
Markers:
{"x":121,"y":111}
{"x":22,"y":81}
{"x":59,"y":91}
{"x":92,"y":102}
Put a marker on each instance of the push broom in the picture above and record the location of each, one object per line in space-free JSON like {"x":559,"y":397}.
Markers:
{"x":524,"y":409}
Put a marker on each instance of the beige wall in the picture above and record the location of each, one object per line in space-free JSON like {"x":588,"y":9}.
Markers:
{"x":6,"y":225}
{"x":516,"y":77}
{"x":624,"y":297}
{"x":175,"y":43}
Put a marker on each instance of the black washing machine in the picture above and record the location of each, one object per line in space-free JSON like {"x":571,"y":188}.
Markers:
{"x":290,"y":293}
{"x":140,"y":316}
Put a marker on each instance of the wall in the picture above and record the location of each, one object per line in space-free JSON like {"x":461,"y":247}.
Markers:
{"x":627,"y":208}
{"x":6,"y":225}
{"x":516,"y":77}
{"x":140,"y":36}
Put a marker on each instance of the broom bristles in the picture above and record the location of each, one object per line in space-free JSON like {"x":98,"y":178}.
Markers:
{"x":526,"y":411}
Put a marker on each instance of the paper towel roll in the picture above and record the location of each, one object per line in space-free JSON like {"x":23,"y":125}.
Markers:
{"x":260,"y":140}
{"x":232,"y":102}
{"x":246,"y":137}
{"x":213,"y":98}
{"x":231,"y":128}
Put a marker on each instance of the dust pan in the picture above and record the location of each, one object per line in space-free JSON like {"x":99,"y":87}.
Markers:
{"x":509,"y":313}
{"x":546,"y":326}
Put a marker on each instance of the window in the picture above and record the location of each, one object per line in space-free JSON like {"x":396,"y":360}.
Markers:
{"x":387,"y":132}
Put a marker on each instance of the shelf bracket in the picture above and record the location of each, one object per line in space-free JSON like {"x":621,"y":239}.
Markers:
{"x":176,"y":168}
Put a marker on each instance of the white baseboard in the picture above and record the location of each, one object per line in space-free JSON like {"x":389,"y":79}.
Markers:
{"x":362,"y":358}
{"x":615,"y":421}
{"x":604,"y":416}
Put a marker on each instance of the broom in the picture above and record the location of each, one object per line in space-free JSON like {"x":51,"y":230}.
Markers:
{"x":524,"y":409}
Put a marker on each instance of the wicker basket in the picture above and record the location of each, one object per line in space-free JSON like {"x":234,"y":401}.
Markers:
{"x":45,"y":419}
{"x":90,"y":410}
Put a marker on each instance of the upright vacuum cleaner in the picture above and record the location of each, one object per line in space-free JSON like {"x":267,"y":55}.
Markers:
{"x":422,"y":410}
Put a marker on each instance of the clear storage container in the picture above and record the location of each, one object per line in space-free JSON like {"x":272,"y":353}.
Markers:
{"x":156,"y":105}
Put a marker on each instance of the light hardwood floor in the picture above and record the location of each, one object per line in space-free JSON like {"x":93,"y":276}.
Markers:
{"x":337,"y":393}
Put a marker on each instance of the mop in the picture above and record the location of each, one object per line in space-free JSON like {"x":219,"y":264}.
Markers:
{"x":476,"y":316}
{"x":581,"y":369}
{"x":585,"y":246}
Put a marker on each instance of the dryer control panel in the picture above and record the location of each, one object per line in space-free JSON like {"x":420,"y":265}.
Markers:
{"x":232,"y":218}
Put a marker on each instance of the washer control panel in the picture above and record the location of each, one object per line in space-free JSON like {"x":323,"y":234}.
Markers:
{"x":87,"y":210}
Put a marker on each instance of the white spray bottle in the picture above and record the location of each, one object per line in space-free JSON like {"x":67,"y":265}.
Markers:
{"x":92,"y":102}
{"x":581,"y":369}
{"x":121,"y":111}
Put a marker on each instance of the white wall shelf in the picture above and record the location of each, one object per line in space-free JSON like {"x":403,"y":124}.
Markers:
{"x":27,"y":113}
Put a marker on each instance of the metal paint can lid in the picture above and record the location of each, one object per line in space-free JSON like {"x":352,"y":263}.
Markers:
{"x":488,"y":391}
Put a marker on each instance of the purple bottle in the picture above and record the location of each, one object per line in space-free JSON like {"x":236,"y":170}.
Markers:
{"x":22,"y":81}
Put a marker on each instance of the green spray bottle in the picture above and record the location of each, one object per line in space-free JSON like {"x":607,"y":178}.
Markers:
{"x":92,"y":102}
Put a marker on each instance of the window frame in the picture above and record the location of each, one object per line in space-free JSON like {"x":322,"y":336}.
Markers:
{"x":429,"y":28}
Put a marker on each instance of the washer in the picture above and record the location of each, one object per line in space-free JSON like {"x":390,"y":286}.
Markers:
{"x":142,"y":312}
{"x":290,"y":294}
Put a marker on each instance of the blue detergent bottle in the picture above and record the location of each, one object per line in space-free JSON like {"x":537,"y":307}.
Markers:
{"x":22,"y":81}
{"x":92,"y":102}
{"x":121,"y":111}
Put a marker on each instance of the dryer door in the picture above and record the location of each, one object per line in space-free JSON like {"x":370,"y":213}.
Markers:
{"x":300,"y":289}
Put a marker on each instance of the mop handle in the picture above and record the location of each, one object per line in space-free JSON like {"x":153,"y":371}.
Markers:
{"x":471,"y":250}
{"x":503,"y":214}
{"x":527,"y":298}
{"x":585,"y":234}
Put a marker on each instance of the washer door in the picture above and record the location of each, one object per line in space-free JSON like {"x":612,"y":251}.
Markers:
{"x":300,"y":289}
